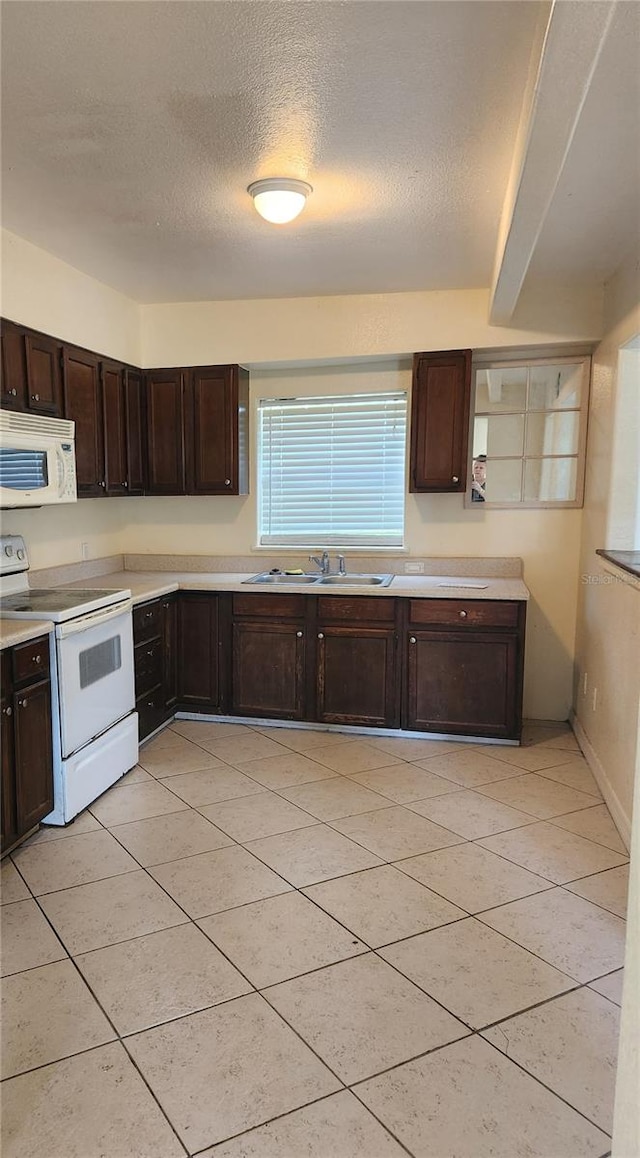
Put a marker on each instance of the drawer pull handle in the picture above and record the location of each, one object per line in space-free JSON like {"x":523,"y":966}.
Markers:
{"x":412,"y":639}
{"x":320,"y":635}
{"x":455,"y":478}
{"x":36,"y":659}
{"x":299,"y":634}
{"x":463,"y":614}
{"x":8,"y":711}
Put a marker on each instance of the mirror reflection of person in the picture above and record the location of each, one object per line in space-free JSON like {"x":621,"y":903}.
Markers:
{"x":479,"y":478}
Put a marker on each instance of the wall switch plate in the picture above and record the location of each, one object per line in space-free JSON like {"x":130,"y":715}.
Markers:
{"x":584,"y":684}
{"x":414,"y":568}
{"x":595,"y":700}
{"x":84,"y":547}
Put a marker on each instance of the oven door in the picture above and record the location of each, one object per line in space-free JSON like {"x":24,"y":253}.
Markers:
{"x":95,"y":674}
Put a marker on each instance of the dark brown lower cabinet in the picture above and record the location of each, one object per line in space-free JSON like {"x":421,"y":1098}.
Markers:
{"x":155,"y":662}
{"x":268,"y":670}
{"x":355,"y":676}
{"x":27,"y":744}
{"x":198,"y":650}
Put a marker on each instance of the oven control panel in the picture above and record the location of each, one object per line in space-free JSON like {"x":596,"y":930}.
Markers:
{"x":13,"y":555}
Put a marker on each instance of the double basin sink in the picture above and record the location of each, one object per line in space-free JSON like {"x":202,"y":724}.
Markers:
{"x":321,"y":580}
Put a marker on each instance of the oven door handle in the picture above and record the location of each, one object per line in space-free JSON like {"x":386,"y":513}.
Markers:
{"x":94,"y":619}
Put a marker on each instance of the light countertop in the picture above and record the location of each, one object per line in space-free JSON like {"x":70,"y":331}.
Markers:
{"x":14,"y":631}
{"x":150,"y":585}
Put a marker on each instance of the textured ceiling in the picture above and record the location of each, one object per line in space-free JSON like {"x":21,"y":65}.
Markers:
{"x":131,"y":130}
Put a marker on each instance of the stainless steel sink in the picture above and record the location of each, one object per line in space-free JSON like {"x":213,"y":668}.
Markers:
{"x":291,"y":580}
{"x":355,"y":580}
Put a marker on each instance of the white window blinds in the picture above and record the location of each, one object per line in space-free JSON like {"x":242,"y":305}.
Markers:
{"x":332,"y":469}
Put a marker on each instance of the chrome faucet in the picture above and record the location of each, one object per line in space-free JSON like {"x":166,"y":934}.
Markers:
{"x":323,"y":562}
{"x":342,"y":566}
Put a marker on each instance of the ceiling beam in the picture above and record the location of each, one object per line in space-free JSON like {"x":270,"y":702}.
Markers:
{"x":574,"y":38}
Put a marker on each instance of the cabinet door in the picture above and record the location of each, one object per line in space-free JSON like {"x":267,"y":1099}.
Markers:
{"x":135,"y":427}
{"x":33,"y":754}
{"x":464,"y":682}
{"x":115,"y":428}
{"x":215,"y":432}
{"x":83,"y":405}
{"x":441,"y":392}
{"x":9,"y":821}
{"x":170,"y":652}
{"x":44,"y":393}
{"x":13,"y":363}
{"x":356,"y":681}
{"x":268,"y":669}
{"x":198,"y":662}
{"x":164,"y":394}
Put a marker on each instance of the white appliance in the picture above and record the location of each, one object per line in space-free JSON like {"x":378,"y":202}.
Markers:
{"x":95,"y":726}
{"x":37,"y":460}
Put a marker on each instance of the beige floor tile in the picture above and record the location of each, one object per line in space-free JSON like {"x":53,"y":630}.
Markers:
{"x":575,"y":773}
{"x":47,"y":1014}
{"x":168,"y":974}
{"x":528,"y":759}
{"x":570,"y":933}
{"x":304,"y":739}
{"x":214,"y":881}
{"x":610,"y":986}
{"x":102,"y":913}
{"x":571,"y":1045}
{"x":175,"y":759}
{"x":85,"y":822}
{"x":492,"y":1108}
{"x":309,"y":855}
{"x":95,"y":1105}
{"x":468,"y":767}
{"x":284,"y":771}
{"x":254,"y":816}
{"x":353,"y":756}
{"x":395,"y":832}
{"x":203,"y":731}
{"x":12,"y":886}
{"x":167,"y":738}
{"x":549,"y":736}
{"x":472,"y":877}
{"x":27,"y":938}
{"x":238,"y":750}
{"x":538,"y":795}
{"x":470,"y":814}
{"x":608,"y":889}
{"x":382,"y":905}
{"x":135,"y":776}
{"x":476,"y":973}
{"x":552,"y":852}
{"x":279,"y":938}
{"x":332,"y":799}
{"x":60,"y":864}
{"x":595,"y":824}
{"x":135,"y":802}
{"x":224,"y":1070}
{"x":361,"y":1016}
{"x":403,"y":783}
{"x":336,"y":1127}
{"x":162,"y":838}
{"x":210,"y":785}
{"x":408,"y":748}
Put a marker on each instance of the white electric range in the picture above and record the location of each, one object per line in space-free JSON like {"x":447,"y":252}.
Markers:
{"x":95,"y":726}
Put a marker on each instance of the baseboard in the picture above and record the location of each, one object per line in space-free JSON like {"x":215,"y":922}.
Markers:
{"x":620,"y":818}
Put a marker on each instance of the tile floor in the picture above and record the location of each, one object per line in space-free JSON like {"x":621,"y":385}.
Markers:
{"x":278,"y":943}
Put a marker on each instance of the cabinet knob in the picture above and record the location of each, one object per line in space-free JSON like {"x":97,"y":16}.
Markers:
{"x":125,"y":484}
{"x":455,"y":478}
{"x":412,"y":639}
{"x":23,"y":703}
{"x":463,"y":615}
{"x":35,"y":397}
{"x":151,"y":704}
{"x":36,"y":659}
{"x":320,"y":635}
{"x":13,"y":393}
{"x":299,"y":634}
{"x":8,"y":711}
{"x":150,"y":652}
{"x":102,"y":483}
{"x":227,"y":482}
{"x":148,"y":614}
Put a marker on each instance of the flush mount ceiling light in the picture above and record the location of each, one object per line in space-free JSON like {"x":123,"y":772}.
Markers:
{"x":279,"y":199}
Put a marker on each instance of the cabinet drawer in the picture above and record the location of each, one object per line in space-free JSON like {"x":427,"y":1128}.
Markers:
{"x":30,"y":660}
{"x":358,"y":608}
{"x":146,"y":620}
{"x":148,"y":665}
{"x":151,"y":711}
{"x":464,"y":612}
{"x":282,"y":606}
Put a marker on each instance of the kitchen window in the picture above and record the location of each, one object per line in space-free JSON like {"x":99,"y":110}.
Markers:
{"x":529,"y":432}
{"x":332,"y":470}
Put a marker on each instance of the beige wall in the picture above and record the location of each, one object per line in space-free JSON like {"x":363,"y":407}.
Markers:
{"x":43,"y":292}
{"x":608,"y":629}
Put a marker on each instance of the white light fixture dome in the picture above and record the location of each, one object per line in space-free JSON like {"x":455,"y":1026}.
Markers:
{"x":279,"y":199}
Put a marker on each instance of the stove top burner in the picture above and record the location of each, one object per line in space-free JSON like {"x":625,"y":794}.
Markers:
{"x":51,"y":599}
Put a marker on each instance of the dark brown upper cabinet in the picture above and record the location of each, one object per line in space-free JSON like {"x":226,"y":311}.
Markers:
{"x":83,"y":405}
{"x":115,"y":428}
{"x":13,"y":392}
{"x":441,"y":393}
{"x":30,"y":371}
{"x":216,"y":431}
{"x":135,"y":430}
{"x":165,"y":417}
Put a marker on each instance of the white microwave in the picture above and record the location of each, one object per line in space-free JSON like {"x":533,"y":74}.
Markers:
{"x":37,"y":460}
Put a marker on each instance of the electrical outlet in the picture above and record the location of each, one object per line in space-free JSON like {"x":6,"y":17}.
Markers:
{"x":84,"y":547}
{"x":585,"y":684}
{"x":594,"y":700}
{"x":414,"y":568}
